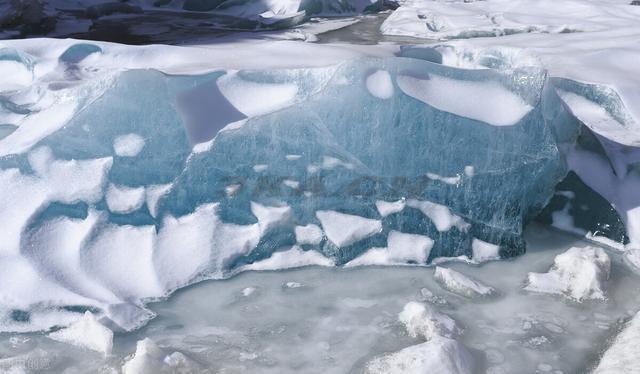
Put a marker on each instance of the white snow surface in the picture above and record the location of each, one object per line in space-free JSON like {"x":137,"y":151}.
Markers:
{"x":123,"y":199}
{"x":291,"y":258}
{"x":441,"y":215}
{"x":380,"y":85}
{"x":579,"y":274}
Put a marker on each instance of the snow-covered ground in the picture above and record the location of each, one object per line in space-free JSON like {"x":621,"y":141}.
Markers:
{"x":367,"y":319}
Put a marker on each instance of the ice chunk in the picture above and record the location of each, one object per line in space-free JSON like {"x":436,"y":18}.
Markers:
{"x":345,"y":229}
{"x":439,"y":355}
{"x":128,"y":145}
{"x":88,"y":333}
{"x":291,"y":258}
{"x":448,"y":180}
{"x":309,"y":234}
{"x":123,"y":199}
{"x":579,"y":274}
{"x":386,"y":208}
{"x":488,"y":102}
{"x":483,"y":251}
{"x":401,"y":249}
{"x":424,"y":322}
{"x":380,"y":85}
{"x":439,"y":214}
{"x":461,"y":284}
{"x":622,"y":356}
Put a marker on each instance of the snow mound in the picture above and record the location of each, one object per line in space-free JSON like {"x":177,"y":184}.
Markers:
{"x":422,"y":321}
{"x":439,"y":355}
{"x":88,"y":333}
{"x":579,"y":274}
{"x":461,"y":284}
{"x":151,"y":359}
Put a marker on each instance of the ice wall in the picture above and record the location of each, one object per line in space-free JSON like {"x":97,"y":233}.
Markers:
{"x":122,"y":186}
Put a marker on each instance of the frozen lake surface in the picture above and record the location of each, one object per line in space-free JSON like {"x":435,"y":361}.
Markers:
{"x":335,"y":320}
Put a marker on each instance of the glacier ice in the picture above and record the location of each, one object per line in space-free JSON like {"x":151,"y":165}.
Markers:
{"x":218,"y":171}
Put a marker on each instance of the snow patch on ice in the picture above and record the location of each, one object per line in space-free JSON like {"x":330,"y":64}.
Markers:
{"x":128,"y":145}
{"x":401,"y":249}
{"x":291,"y":258}
{"x":483,"y":251}
{"x":488,"y":102}
{"x":346,"y":229}
{"x":386,"y":208}
{"x":441,"y":215}
{"x":309,"y":234}
{"x":380,"y":85}
{"x":123,"y":199}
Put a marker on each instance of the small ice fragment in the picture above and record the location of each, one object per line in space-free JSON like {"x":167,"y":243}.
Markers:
{"x":483,"y":251}
{"x":425,"y":322}
{"x":246,"y":292}
{"x":461,"y":284}
{"x":293,"y":157}
{"x":579,"y":274}
{"x":439,"y":355}
{"x":260,"y":168}
{"x":291,"y":183}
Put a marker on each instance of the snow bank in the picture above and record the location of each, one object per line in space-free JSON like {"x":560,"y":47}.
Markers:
{"x":579,"y":274}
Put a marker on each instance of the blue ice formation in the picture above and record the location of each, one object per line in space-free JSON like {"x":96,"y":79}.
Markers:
{"x":148,"y":182}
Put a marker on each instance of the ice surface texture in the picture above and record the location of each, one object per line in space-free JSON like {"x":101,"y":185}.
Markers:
{"x":124,"y":186}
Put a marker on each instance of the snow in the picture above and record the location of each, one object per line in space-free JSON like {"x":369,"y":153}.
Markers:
{"x":308,"y":234}
{"x":401,"y":249}
{"x":441,"y":215}
{"x":153,"y":195}
{"x":461,"y":284}
{"x":487,"y":102}
{"x":579,"y":274}
{"x":424,"y":322}
{"x":483,"y":251}
{"x":270,"y":217}
{"x":291,"y":258}
{"x":15,"y":75}
{"x":448,"y":180}
{"x":380,"y":85}
{"x":622,"y":356}
{"x":87,"y":333}
{"x":346,"y":229}
{"x":439,"y":355}
{"x":386,"y":208}
{"x":123,"y":199}
{"x":150,"y":359}
{"x":128,"y":145}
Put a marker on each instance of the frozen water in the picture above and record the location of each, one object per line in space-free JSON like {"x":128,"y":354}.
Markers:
{"x":461,"y":284}
{"x":344,"y":319}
